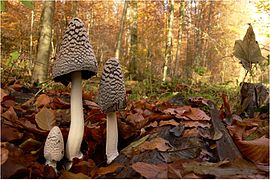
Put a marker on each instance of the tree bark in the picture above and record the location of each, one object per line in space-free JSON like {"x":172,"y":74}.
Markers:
{"x":168,"y":52}
{"x":119,"y":39}
{"x":41,"y":64}
{"x":133,"y":39}
{"x":179,"y":37}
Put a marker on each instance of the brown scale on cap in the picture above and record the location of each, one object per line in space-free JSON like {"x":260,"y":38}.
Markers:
{"x":75,"y":54}
{"x":112,"y":89}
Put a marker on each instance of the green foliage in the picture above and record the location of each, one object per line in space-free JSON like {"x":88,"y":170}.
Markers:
{"x":200,"y":70}
{"x":2,"y":6}
{"x":28,"y":3}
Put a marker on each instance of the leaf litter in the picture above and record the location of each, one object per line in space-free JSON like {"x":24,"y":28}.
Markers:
{"x":172,"y":132}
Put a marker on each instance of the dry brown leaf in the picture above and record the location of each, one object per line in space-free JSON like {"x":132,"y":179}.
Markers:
{"x":58,"y":103}
{"x":42,"y":100}
{"x":9,"y":133}
{"x":156,"y":143}
{"x":202,"y":124}
{"x":197,"y":114}
{"x":28,"y":103}
{"x":10,"y":115}
{"x":109,"y":169}
{"x":256,"y":150}
{"x":4,"y":155}
{"x":3,"y":95}
{"x":169,"y":122}
{"x":193,"y":132}
{"x":70,"y":175}
{"x":151,"y":171}
{"x":153,"y":124}
{"x":137,"y":120}
{"x":45,"y":118}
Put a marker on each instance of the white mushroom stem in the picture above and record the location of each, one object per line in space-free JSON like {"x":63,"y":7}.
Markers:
{"x":76,"y":130}
{"x":111,"y":137}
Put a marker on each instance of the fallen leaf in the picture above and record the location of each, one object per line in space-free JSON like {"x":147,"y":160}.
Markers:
{"x":193,"y":132}
{"x":10,"y":115}
{"x":256,"y":150}
{"x":151,"y":171}
{"x":9,"y":133}
{"x":70,"y":175}
{"x":3,"y":95}
{"x":84,"y":167}
{"x":4,"y":155}
{"x":156,"y":143}
{"x":128,"y":151}
{"x":45,"y":118}
{"x":58,"y":103}
{"x":30,"y":145}
{"x":109,"y":169}
{"x":197,"y":114}
{"x":169,"y":122}
{"x":28,"y":103}
{"x":202,"y":124}
{"x":153,"y":124}
{"x":42,"y":100}
{"x":137,"y":120}
{"x":91,"y":104}
{"x":9,"y":103}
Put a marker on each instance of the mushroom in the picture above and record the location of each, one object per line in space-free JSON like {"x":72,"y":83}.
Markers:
{"x":111,"y":99}
{"x":54,"y":147}
{"x":75,"y":61}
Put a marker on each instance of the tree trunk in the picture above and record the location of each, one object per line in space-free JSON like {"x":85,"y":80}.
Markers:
{"x":31,"y":35}
{"x":41,"y":64}
{"x":119,"y":40}
{"x":133,"y":39}
{"x":168,"y":52}
{"x":179,"y":37}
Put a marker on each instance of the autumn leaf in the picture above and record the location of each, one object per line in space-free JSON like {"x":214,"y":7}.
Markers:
{"x":197,"y":114}
{"x":248,"y":50}
{"x":3,"y":95}
{"x":151,"y":171}
{"x":10,"y":115}
{"x":4,"y":155}
{"x":45,"y":118}
{"x":9,"y":133}
{"x":156,"y":143}
{"x":169,"y":122}
{"x":137,"y":120}
{"x":70,"y":175}
{"x":109,"y":169}
{"x":42,"y":100}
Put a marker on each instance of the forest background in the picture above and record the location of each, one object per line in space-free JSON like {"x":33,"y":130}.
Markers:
{"x":168,"y":41}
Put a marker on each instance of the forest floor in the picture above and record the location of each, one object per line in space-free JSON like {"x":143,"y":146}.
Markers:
{"x":166,"y":131}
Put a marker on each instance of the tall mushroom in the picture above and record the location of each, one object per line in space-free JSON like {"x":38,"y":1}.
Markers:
{"x":111,"y":99}
{"x":74,"y":62}
{"x":54,"y":147}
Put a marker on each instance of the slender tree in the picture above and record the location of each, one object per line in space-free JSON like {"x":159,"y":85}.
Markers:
{"x":41,"y":64}
{"x":179,"y":37}
{"x":119,"y":39}
{"x":168,"y":52}
{"x":133,"y":38}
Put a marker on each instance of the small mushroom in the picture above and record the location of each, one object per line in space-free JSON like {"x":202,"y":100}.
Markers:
{"x":111,"y":99}
{"x":54,"y":147}
{"x":75,"y":61}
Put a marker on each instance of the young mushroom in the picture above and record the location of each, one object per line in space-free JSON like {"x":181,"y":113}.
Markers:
{"x":54,"y":147}
{"x":111,"y":99}
{"x":74,"y":62}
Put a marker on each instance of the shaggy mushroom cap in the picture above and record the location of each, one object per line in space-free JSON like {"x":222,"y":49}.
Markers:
{"x":112,"y":88}
{"x":75,"y":54}
{"x":54,"y":145}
